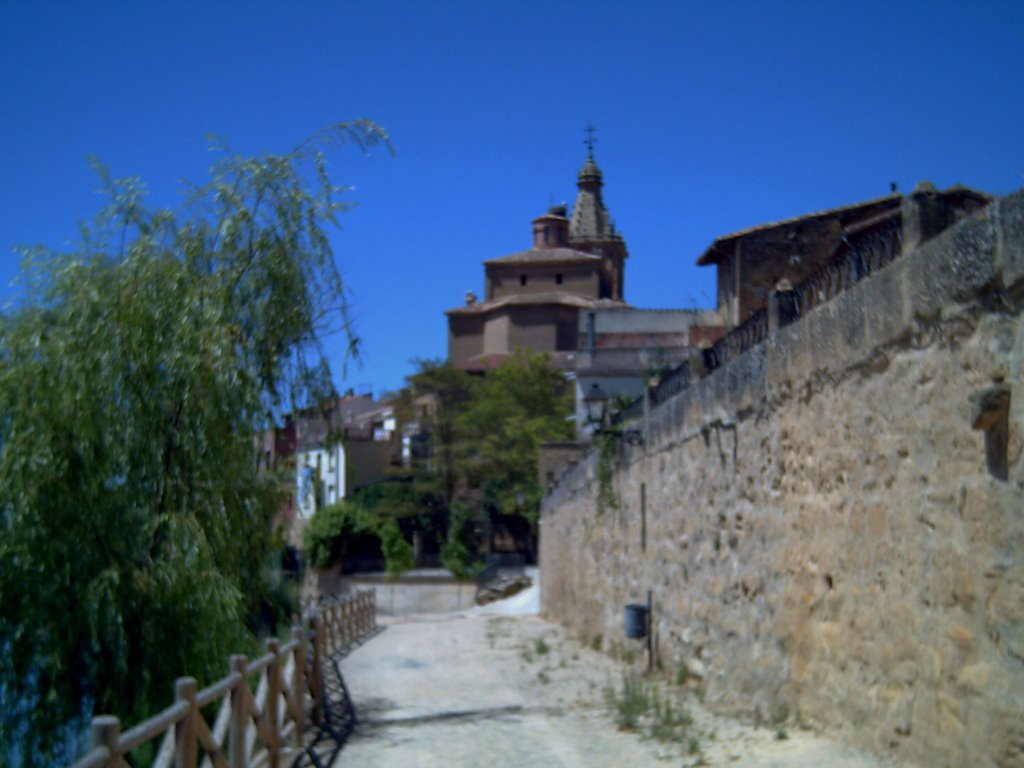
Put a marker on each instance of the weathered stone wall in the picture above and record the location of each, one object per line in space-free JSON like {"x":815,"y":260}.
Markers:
{"x":818,"y":521}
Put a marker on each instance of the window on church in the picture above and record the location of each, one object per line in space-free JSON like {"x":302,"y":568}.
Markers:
{"x":558,"y":279}
{"x":547,"y":235}
{"x":522,"y":279}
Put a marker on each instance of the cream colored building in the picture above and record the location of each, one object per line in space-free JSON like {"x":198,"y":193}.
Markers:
{"x":533,"y":298}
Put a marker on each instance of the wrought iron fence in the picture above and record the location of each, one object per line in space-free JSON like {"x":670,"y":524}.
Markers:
{"x":851,"y":264}
{"x":747,"y":334}
{"x":632,"y":412}
{"x":859,"y":257}
{"x":675,"y":382}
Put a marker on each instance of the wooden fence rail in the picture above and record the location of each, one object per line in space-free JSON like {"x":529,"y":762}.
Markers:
{"x":252,"y":729}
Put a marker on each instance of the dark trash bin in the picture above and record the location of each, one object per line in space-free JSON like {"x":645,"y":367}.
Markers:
{"x":636,"y":620}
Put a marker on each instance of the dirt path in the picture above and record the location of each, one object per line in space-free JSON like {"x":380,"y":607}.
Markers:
{"x":476,"y":690}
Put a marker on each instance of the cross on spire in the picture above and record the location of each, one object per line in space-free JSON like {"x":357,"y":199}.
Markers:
{"x":589,"y":141}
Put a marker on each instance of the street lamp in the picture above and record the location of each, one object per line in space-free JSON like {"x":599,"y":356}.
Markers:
{"x":596,"y":403}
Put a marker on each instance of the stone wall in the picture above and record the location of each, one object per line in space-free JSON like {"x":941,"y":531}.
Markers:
{"x":822,"y":528}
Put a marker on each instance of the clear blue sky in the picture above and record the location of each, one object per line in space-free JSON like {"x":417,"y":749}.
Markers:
{"x":710,"y":117}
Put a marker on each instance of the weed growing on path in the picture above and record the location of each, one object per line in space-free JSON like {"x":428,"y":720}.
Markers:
{"x":642,"y":706}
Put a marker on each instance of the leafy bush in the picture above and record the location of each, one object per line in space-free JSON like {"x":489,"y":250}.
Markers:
{"x":458,"y":553}
{"x":398,"y":553}
{"x":326,"y":534}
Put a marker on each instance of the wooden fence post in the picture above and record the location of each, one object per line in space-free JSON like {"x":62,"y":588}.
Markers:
{"x":316,"y":685}
{"x":239,"y":714}
{"x":345,"y":611}
{"x":299,"y":682}
{"x":327,"y":627}
{"x":270,"y":707}
{"x":186,"y":750}
{"x":106,"y":732}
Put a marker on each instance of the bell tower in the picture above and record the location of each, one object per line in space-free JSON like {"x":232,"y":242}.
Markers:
{"x":591,"y":229}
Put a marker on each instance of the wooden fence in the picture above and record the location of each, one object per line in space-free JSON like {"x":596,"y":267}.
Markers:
{"x":261,"y":727}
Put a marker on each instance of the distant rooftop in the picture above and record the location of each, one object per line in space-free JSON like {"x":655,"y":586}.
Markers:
{"x":550,"y":255}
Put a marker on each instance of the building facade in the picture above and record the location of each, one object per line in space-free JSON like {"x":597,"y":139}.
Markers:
{"x":533,"y":298}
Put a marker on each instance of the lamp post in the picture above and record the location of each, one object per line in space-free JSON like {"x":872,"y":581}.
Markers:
{"x":596,"y":403}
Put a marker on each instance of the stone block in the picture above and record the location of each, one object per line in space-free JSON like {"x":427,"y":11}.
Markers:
{"x":885,"y":315}
{"x":846,"y":323}
{"x":930,"y":665}
{"x":877,"y":521}
{"x":1007,"y":736}
{"x":954,"y":268}
{"x":933,"y":715}
{"x":827,"y":639}
{"x":789,"y":354}
{"x":1010,"y":217}
{"x":975,"y":678}
{"x":962,"y":637}
{"x":1006,"y":603}
{"x":963,"y":582}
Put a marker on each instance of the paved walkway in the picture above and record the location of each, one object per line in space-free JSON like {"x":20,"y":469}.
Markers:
{"x":470,"y":689}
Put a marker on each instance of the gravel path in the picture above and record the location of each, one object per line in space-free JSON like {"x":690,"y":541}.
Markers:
{"x":474,"y":689}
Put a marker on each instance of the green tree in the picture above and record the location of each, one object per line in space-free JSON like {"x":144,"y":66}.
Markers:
{"x":458,"y":553}
{"x":446,"y":390}
{"x":326,"y":536}
{"x":134,"y":525}
{"x":398,"y":552}
{"x":515,"y":408}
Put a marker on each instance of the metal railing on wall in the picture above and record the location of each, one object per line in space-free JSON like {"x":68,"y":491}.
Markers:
{"x":738,"y":340}
{"x":851,"y":264}
{"x":856,"y":259}
{"x":261,"y":726}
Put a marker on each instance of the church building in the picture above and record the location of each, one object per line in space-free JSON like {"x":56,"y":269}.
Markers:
{"x":533,"y":299}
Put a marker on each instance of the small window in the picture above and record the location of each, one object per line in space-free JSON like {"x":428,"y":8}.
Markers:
{"x":558,"y":279}
{"x":522,"y":279}
{"x":547,"y":235}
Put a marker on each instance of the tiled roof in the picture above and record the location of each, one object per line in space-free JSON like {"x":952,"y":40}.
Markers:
{"x":536,"y":299}
{"x":712,"y":254}
{"x":546,"y":255}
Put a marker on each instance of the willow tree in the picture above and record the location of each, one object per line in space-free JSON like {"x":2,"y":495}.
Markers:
{"x":134,"y":374}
